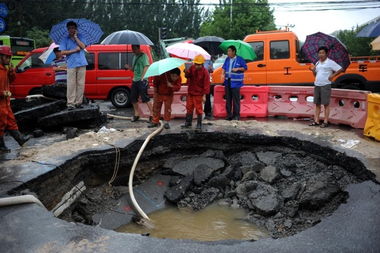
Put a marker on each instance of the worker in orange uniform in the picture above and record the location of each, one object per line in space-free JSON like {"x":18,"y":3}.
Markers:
{"x":164,"y":87}
{"x":7,"y":119}
{"x":198,"y":81}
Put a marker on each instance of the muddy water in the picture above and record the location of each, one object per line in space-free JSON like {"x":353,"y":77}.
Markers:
{"x":210,"y":224}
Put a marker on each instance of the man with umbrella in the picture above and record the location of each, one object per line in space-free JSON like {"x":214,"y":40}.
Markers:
{"x":233,"y":73}
{"x":73,"y":47}
{"x":324,"y":71}
{"x":140,"y":64}
{"x":164,"y":87}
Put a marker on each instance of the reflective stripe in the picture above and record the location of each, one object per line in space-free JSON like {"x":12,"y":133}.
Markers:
{"x":236,"y":76}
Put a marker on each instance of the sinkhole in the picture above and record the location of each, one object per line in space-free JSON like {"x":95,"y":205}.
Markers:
{"x":206,"y":186}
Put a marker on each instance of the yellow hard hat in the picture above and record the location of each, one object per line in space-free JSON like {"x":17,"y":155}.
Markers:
{"x":199,"y":59}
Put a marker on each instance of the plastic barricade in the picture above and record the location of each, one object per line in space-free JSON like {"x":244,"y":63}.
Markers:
{"x":219,"y":104}
{"x":254,"y":101}
{"x":372,"y":125}
{"x":178,"y":105}
{"x":291,"y":101}
{"x":348,"y":107}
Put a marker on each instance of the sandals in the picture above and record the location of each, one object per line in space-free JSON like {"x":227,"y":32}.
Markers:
{"x":314,"y":124}
{"x":323,"y":125}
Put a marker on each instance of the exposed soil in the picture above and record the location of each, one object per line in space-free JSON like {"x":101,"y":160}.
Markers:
{"x":284,"y":188}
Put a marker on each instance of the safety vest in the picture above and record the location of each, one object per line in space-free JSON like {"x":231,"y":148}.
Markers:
{"x":236,"y":78}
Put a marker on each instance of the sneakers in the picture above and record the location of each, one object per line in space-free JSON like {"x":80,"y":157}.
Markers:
{"x":135,"y":118}
{"x":166,"y":125}
{"x":70,"y":107}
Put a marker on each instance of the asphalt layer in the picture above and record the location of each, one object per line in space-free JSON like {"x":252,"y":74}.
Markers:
{"x":353,"y":227}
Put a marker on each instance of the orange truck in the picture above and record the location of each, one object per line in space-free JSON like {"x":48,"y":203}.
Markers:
{"x":279,"y":63}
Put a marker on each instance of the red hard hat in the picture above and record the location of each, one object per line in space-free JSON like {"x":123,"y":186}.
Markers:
{"x":6,"y":50}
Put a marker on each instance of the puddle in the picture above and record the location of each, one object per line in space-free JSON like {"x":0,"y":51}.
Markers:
{"x":210,"y":224}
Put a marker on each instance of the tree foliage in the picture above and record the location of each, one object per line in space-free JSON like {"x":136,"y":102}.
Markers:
{"x":181,"y":17}
{"x":41,"y":37}
{"x":356,"y":46}
{"x":248,"y":16}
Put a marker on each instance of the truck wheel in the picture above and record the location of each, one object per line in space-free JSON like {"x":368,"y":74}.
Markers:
{"x":120,"y":97}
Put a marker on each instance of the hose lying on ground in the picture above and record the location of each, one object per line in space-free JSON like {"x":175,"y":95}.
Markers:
{"x":130,"y":183}
{"x":38,"y":96}
{"x":22,"y":199}
{"x":120,"y":117}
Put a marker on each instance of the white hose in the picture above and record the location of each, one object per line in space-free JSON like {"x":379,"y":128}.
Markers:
{"x":22,"y":199}
{"x":119,"y":117}
{"x":130,"y":183}
{"x":29,"y":97}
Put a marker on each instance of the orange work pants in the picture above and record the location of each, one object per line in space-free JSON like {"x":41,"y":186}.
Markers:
{"x":194,"y":102}
{"x":167,"y":100}
{"x":7,"y":118}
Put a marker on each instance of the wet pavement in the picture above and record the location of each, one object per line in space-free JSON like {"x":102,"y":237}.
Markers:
{"x":353,"y":227}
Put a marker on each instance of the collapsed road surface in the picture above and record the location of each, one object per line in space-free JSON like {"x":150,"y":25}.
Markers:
{"x":352,"y":227}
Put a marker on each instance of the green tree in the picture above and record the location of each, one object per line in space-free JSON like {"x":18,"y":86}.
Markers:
{"x":248,"y":16}
{"x":41,"y":37}
{"x":181,"y":17}
{"x":356,"y":46}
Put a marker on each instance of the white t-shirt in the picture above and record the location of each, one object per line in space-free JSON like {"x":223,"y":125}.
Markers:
{"x":324,"y":70}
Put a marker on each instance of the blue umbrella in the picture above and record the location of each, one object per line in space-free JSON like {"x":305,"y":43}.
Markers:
{"x":90,"y":31}
{"x":370,"y":30}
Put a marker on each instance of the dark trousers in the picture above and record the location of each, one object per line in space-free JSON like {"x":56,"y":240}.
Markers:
{"x":232,"y":101}
{"x":207,"y":108}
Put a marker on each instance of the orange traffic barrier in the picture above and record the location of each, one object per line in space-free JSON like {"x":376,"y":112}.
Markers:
{"x":291,"y":101}
{"x":348,"y":107}
{"x":178,"y":105}
{"x":254,"y":101}
{"x":372,"y":125}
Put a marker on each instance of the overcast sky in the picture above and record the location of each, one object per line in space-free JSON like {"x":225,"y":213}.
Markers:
{"x":324,"y":16}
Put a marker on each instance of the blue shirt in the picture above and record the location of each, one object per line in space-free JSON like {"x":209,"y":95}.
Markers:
{"x":236,"y":78}
{"x":77,"y":59}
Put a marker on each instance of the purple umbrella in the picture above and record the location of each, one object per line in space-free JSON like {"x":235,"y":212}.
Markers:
{"x":337,"y":50}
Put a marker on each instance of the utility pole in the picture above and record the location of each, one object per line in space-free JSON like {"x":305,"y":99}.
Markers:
{"x":231,"y":2}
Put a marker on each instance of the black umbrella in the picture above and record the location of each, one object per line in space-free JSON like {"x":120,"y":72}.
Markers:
{"x":210,"y":44}
{"x":127,"y":37}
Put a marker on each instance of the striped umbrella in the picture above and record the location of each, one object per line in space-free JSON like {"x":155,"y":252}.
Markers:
{"x":90,"y":31}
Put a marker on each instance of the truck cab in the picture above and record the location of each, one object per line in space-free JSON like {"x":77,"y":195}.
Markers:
{"x":278,"y":62}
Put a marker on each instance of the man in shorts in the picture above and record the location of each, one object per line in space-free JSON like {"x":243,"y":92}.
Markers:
{"x":324,"y":71}
{"x":140,"y":86}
